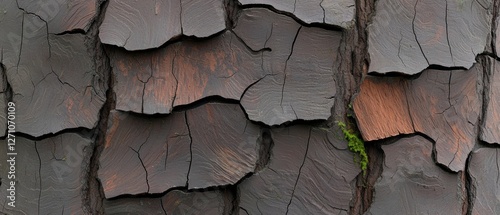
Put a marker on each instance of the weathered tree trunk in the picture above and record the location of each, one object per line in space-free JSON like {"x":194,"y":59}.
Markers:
{"x":249,"y":107}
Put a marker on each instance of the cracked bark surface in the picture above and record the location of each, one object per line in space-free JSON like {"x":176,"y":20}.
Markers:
{"x":292,"y":91}
{"x":408,"y":37}
{"x":48,"y":174}
{"x":253,"y":67}
{"x":385,"y":97}
{"x":62,"y":16}
{"x":173,"y":77}
{"x":484,"y":171}
{"x":412,"y":184}
{"x":331,"y":12}
{"x":490,"y":130}
{"x":174,"y":202}
{"x":442,"y":104}
{"x":328,"y":168}
{"x":173,"y":151}
{"x":158,"y":147}
{"x":60,"y":76}
{"x":229,"y":154}
{"x":178,"y":112}
{"x":300,"y":170}
{"x":140,"y":25}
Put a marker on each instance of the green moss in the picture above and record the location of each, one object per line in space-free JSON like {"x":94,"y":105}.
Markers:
{"x":356,"y":145}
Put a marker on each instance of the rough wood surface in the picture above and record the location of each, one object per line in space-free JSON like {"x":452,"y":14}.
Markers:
{"x":139,"y":25}
{"x":143,"y":87}
{"x":172,"y":77}
{"x":205,"y":202}
{"x":223,"y":67}
{"x":412,"y":184}
{"x":332,"y":12}
{"x":385,"y":101}
{"x":229,"y":154}
{"x":227,"y":68}
{"x":271,"y":190}
{"x":173,"y":151}
{"x":202,"y":18}
{"x":301,"y":167}
{"x":446,"y":106}
{"x":485,"y":175}
{"x":325,"y":169}
{"x":490,"y":130}
{"x":61,"y":16}
{"x":174,"y":202}
{"x":155,"y":149}
{"x":302,"y":65}
{"x":49,"y":175}
{"x":407,"y":37}
{"x":232,"y":107}
{"x":55,"y":82}
{"x":442,"y":104}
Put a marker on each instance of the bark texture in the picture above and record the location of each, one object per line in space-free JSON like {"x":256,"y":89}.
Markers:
{"x":232,"y":107}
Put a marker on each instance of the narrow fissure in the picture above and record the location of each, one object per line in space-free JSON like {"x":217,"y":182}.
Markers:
{"x":138,"y":152}
{"x":22,"y":32}
{"x":180,"y":16}
{"x":265,"y":46}
{"x":294,"y":6}
{"x":399,"y":49}
{"x":190,"y":148}
{"x":176,"y":80}
{"x":415,"y":34}
{"x":300,"y":171}
{"x":39,"y":176}
{"x":324,"y":12}
{"x":468,"y":189}
{"x":447,"y":34}
{"x":286,"y":64}
{"x":21,"y":44}
{"x":163,"y":207}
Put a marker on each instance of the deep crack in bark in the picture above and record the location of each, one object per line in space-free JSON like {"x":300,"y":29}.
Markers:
{"x":92,"y":191}
{"x":190,"y":148}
